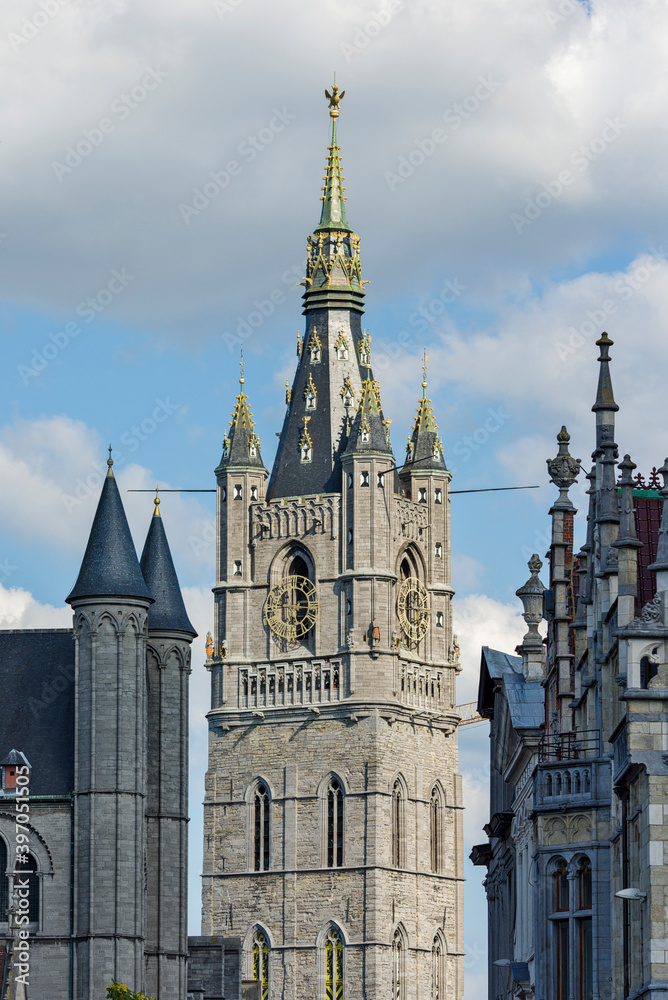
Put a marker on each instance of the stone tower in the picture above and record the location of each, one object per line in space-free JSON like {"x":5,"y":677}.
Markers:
{"x":131,"y":636}
{"x":333,"y":835}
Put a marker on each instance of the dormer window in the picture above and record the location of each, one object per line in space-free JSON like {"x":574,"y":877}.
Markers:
{"x":252,"y":450}
{"x":310,"y":394}
{"x":437,"y":451}
{"x":316,"y":355}
{"x":365,"y":435}
{"x":315,"y":348}
{"x":310,"y":401}
{"x":342,"y":351}
{"x":307,"y":453}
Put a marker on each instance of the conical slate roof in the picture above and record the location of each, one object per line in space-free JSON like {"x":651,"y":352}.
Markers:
{"x":110,"y":567}
{"x":241,"y":447}
{"x":425,"y":448}
{"x":369,"y":430}
{"x":168,"y":612}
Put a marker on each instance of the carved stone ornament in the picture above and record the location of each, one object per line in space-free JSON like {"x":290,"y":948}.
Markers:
{"x":564,"y":469}
{"x":652,"y":611}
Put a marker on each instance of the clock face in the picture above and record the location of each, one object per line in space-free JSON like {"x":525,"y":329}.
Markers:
{"x":292,"y":607}
{"x":413,"y":609}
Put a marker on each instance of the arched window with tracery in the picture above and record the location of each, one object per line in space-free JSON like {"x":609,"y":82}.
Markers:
{"x":435,"y":829}
{"x":397,"y":820}
{"x":261,"y":963}
{"x":261,"y":820}
{"x":438,"y":968}
{"x":398,"y":966}
{"x":334,"y":965}
{"x":334,"y":824}
{"x":4,"y":882}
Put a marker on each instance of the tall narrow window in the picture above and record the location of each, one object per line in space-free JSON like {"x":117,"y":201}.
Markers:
{"x":30,"y":870}
{"x":398,"y":991}
{"x":397,"y":822}
{"x":560,"y":928}
{"x":435,"y":833}
{"x":334,"y":966}
{"x":334,"y":824}
{"x":261,"y":963}
{"x":261,"y":809}
{"x":585,"y":957}
{"x":4,"y":882}
{"x":437,"y":977}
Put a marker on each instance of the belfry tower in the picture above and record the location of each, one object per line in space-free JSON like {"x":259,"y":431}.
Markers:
{"x":333,"y":833}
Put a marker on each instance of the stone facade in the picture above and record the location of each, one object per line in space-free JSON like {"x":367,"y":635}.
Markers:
{"x":333,"y":812}
{"x":577,"y":835}
{"x":95,"y":729}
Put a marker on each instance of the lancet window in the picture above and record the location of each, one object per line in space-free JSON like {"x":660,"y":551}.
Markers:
{"x":261,"y":820}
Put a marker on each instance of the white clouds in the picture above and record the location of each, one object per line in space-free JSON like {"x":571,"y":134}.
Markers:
{"x":557,"y":85}
{"x":481,"y":621}
{"x":19,"y":609}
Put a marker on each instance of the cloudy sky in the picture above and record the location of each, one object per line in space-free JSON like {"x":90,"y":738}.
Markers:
{"x":161,"y":168}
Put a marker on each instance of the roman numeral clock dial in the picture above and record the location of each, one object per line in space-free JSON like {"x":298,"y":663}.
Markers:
{"x":291,"y":609}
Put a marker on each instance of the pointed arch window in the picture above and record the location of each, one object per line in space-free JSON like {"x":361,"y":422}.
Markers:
{"x":4,"y":882}
{"x":437,"y":969}
{"x":261,"y":819}
{"x":398,"y":966}
{"x":334,"y":824}
{"x":261,"y":963}
{"x":435,"y":830}
{"x":334,"y":965}
{"x":29,"y":871}
{"x":397,"y":820}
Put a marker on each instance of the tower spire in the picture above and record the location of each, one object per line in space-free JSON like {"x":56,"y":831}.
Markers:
{"x":425,"y":448}
{"x":241,"y":445}
{"x":333,"y":214}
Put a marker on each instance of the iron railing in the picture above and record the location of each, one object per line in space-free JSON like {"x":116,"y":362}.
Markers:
{"x":584,"y":743}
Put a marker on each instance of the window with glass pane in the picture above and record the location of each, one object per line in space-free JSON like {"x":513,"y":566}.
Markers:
{"x":561,"y":882}
{"x":261,"y":807}
{"x":334,"y":824}
{"x":435,"y":830}
{"x":586,"y":960}
{"x":562,"y":960}
{"x":397,"y":967}
{"x":584,"y":877}
{"x":436,"y":969}
{"x":334,"y":966}
{"x":396,"y":823}
{"x":261,"y":964}
{"x":4,"y":882}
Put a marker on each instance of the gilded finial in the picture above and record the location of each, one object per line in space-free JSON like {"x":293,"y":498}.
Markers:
{"x":241,"y":368}
{"x":425,"y":362}
{"x":334,"y":99}
{"x":110,"y":462}
{"x":288,"y":394}
{"x":156,"y":510}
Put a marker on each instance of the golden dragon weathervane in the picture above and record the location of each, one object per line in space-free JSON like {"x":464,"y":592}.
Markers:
{"x":334,"y":99}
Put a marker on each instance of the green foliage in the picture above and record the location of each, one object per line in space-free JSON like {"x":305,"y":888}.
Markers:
{"x":119,"y":991}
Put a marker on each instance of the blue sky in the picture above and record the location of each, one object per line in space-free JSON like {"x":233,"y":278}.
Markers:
{"x":505,"y":165}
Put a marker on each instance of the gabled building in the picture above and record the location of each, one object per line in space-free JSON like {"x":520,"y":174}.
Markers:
{"x":94,"y":751}
{"x":332,"y":831}
{"x":575,"y":879}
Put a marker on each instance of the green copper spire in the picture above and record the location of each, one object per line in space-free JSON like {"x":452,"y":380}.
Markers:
{"x":333,"y":269}
{"x":333,"y":214}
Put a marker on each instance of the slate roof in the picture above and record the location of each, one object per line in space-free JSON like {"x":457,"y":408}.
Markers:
{"x":16,"y":758}
{"x":368,"y":432}
{"x":110,"y":567}
{"x":425,"y":448}
{"x":526,"y":699}
{"x":168,"y":611}
{"x":37,"y":717}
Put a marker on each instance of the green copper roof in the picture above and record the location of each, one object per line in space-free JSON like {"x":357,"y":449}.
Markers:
{"x":333,"y":214}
